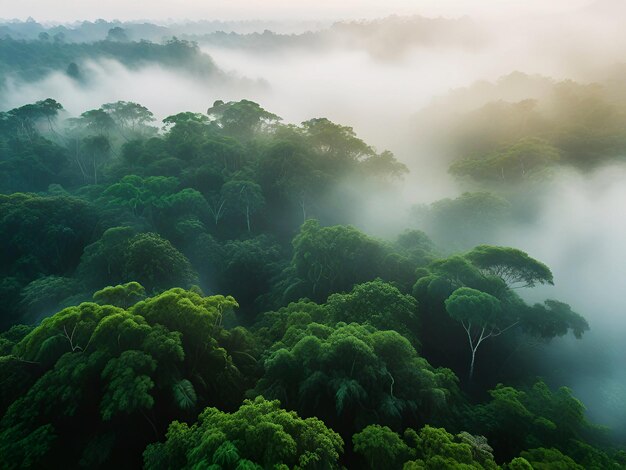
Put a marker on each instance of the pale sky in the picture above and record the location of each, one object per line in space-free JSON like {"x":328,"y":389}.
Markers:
{"x":70,"y":10}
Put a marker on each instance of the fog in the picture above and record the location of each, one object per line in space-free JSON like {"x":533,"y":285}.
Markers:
{"x":579,"y":229}
{"x":579,"y":232}
{"x":272,"y":9}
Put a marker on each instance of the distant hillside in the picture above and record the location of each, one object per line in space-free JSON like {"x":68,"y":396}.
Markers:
{"x":34,"y":59}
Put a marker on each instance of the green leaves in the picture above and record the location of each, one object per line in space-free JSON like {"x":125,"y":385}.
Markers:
{"x":554,"y":318}
{"x":381,"y":447}
{"x":472,"y":306}
{"x":123,"y":295}
{"x":184,"y":394}
{"x":432,"y":447}
{"x":352,"y":375}
{"x":259,"y":433}
{"x":97,"y":364}
{"x":513,"y":266}
{"x":332,"y":259}
{"x":128,"y":385}
{"x":379,"y":304}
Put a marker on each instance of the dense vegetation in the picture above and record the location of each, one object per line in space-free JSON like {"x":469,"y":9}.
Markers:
{"x":499,"y":135}
{"x":386,"y":38}
{"x":34,"y":59}
{"x":195,"y":297}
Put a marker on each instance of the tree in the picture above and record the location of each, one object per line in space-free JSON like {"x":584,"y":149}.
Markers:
{"x":93,"y":122}
{"x":156,"y":264}
{"x":513,"y":266}
{"x":26,"y":118}
{"x":92,"y":367}
{"x":549,"y":459}
{"x":42,"y":236}
{"x":384,"y":166}
{"x":117,"y":34}
{"x":248,"y":268}
{"x":379,"y":304}
{"x":241,"y":119}
{"x":288,"y":171}
{"x":474,"y":292}
{"x":244,"y":196}
{"x":353,"y":375}
{"x":44,"y":295}
{"x":552,"y":319}
{"x":258,"y":435}
{"x":463,"y":222}
{"x":427,"y":449}
{"x":436,"y":448}
{"x":333,"y":259}
{"x":123,"y":295}
{"x":518,"y":419}
{"x":336,"y":142}
{"x":103,"y":261}
{"x":480,"y":314}
{"x":99,"y":147}
{"x":524,"y":159}
{"x":132,"y":119}
{"x":381,"y":447}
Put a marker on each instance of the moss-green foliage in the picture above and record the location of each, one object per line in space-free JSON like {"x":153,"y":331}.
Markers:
{"x":333,"y":259}
{"x":518,"y":419}
{"x":380,"y":447}
{"x":90,"y":367}
{"x":123,"y":295}
{"x":354,"y":375}
{"x":258,"y":435}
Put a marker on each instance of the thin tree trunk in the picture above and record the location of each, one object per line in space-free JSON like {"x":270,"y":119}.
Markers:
{"x":303,"y":210}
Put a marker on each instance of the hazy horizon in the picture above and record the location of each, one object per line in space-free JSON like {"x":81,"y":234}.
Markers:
{"x":279,"y":10}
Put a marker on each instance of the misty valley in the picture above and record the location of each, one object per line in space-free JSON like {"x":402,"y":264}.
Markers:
{"x":383,"y":243}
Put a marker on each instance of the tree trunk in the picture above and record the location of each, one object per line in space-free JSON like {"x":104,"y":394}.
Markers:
{"x":248,"y":217}
{"x":303,"y":210}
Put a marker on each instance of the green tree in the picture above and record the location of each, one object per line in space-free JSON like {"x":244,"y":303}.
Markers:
{"x":241,"y":119}
{"x":480,"y":314}
{"x":436,"y":448}
{"x":156,"y":264}
{"x":243,"y":196}
{"x":549,"y":459}
{"x":379,"y":304}
{"x":381,"y":447}
{"x":333,"y":259}
{"x":92,"y":369}
{"x":353,"y":375}
{"x":258,"y":435}
{"x":132,"y":119}
{"x":463,"y":222}
{"x":123,"y":295}
{"x":513,"y":266}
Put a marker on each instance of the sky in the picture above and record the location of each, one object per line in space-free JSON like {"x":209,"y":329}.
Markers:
{"x":71,"y":10}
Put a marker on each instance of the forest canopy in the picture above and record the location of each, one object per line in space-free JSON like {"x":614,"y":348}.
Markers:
{"x":195,"y":294}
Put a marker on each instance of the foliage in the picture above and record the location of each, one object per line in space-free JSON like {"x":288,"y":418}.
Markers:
{"x":96,"y":367}
{"x":258,"y":435}
{"x":354,"y":375}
